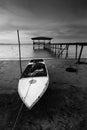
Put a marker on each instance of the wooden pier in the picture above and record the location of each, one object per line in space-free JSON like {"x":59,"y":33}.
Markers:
{"x":58,"y":48}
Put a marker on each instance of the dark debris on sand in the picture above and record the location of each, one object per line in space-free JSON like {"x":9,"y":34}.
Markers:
{"x":71,"y":69}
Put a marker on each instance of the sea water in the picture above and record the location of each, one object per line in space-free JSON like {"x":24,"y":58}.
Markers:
{"x":11,"y":52}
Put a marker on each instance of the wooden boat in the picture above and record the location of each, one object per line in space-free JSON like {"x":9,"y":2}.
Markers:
{"x":33,"y":82}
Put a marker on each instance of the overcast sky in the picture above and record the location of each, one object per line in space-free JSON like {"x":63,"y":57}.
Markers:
{"x":64,"y":20}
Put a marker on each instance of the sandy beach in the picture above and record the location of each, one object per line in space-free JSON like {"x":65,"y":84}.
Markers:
{"x":62,"y":107}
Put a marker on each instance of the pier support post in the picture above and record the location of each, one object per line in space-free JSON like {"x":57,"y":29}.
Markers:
{"x":61,"y":53}
{"x":44,"y":45}
{"x":80,"y":54}
{"x":58,"y":50}
{"x":55,"y":49}
{"x":67,"y":47}
{"x":52,"y":48}
{"x":76,"y":51}
{"x":33,"y":45}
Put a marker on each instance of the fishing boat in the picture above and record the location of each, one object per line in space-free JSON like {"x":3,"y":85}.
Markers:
{"x":33,"y":82}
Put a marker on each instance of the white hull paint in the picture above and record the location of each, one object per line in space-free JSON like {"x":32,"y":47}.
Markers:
{"x":31,"y":89}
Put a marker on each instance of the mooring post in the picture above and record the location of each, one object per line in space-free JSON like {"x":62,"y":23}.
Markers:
{"x":19,"y":51}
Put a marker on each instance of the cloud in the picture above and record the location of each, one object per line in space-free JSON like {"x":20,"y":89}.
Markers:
{"x":56,"y":18}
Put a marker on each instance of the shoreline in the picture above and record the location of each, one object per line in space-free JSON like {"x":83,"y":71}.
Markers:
{"x":48,"y":58}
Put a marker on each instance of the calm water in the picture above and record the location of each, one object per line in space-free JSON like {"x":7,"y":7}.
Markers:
{"x":11,"y":52}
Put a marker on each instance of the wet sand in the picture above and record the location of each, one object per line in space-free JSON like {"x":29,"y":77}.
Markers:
{"x":62,"y":107}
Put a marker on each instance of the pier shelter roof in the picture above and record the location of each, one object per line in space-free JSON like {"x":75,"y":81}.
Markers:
{"x":41,"y":38}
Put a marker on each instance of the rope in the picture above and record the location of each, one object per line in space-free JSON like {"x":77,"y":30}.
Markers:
{"x":17,"y":116}
{"x":21,"y":106}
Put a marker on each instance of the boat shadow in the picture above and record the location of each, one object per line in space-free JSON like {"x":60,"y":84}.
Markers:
{"x":56,"y":107}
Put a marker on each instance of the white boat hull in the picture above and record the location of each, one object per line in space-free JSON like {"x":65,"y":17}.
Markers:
{"x":32,"y":88}
{"x":30,"y":93}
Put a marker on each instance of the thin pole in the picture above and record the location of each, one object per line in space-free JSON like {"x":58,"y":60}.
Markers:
{"x":19,"y":51}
